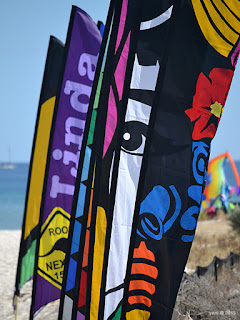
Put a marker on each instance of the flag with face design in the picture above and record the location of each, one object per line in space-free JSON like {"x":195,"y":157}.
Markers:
{"x":165,"y":82}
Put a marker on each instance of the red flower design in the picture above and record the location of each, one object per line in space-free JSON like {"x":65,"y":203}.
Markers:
{"x":208,"y":102}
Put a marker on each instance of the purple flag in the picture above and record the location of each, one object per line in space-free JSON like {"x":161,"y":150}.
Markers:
{"x":81,"y":54}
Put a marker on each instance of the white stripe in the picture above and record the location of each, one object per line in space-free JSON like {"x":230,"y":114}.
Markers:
{"x":137,"y":111}
{"x":127,"y":185}
{"x":67,"y":309}
{"x":156,"y":21}
{"x":128,"y":177}
{"x":144,"y":77}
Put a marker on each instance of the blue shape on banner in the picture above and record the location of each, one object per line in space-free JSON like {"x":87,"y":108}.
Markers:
{"x":200,"y":157}
{"x":190,"y":216}
{"x":154,"y":209}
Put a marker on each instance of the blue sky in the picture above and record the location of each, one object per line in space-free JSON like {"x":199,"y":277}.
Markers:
{"x":25,"y":28}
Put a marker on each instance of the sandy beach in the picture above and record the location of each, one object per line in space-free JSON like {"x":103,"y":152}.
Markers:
{"x":9,"y":248}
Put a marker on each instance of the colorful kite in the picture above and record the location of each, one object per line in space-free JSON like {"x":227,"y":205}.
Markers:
{"x":37,"y":167}
{"x":81,"y":55}
{"x":168,"y":70}
{"x":217,"y":186}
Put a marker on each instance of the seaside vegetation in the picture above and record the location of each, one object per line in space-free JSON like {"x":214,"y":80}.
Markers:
{"x":234,"y":219}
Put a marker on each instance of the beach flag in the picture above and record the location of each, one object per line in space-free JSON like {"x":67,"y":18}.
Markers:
{"x":80,"y":59}
{"x":81,"y":210}
{"x":30,"y":225}
{"x":167,"y":73}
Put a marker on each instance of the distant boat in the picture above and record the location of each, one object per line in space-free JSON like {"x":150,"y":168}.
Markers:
{"x":8,"y":165}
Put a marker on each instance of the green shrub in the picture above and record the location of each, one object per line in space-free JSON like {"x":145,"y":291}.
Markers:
{"x":203,"y":216}
{"x":234,"y":218}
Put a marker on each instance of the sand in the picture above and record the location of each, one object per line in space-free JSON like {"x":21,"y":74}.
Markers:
{"x":9,"y":248}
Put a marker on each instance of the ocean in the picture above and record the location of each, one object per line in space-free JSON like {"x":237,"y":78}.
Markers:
{"x":13,"y":184}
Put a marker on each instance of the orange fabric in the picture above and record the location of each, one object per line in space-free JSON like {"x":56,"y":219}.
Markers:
{"x":140,"y":299}
{"x":146,"y":269}
{"x":234,"y":168}
{"x":143,"y":252}
{"x":90,"y":210}
{"x":142,"y":285}
{"x":86,"y":249}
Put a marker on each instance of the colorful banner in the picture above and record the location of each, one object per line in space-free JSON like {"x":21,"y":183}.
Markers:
{"x":81,"y":55}
{"x":147,"y":63}
{"x":77,"y":257}
{"x":37,"y":166}
{"x":171,"y":64}
{"x":112,"y":91}
{"x":191,"y":91}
